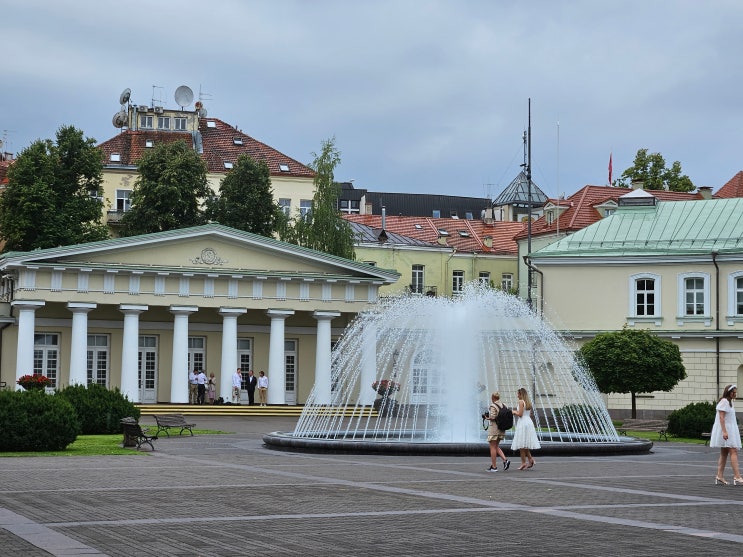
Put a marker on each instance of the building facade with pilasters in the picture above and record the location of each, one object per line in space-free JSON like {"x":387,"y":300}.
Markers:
{"x":138,"y":313}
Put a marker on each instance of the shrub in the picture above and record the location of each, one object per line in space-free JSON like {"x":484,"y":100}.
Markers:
{"x":692,"y":420}
{"x":35,"y":421}
{"x":98,"y":408}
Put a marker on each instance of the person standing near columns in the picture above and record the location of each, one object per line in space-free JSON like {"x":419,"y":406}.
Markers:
{"x":192,"y":389}
{"x":200,"y":386}
{"x":237,"y":379}
{"x":252,"y":383}
{"x":262,"y":388}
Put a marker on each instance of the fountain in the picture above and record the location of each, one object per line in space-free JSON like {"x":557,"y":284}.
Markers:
{"x":414,"y":374}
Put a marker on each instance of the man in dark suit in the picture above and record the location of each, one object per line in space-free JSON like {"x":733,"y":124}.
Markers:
{"x":252,"y":383}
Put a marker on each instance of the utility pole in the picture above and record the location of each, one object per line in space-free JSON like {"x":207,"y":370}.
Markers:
{"x":528,"y":224}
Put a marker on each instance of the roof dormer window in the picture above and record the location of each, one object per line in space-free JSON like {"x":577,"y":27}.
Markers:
{"x":443,"y":232}
{"x":211,"y":124}
{"x":228,"y":165}
{"x":284,"y":167}
{"x":115,"y":157}
{"x":237,"y":140}
{"x":464,"y":233}
{"x":149,"y":143}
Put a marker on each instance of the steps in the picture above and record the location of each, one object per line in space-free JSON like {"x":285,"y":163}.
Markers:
{"x":243,"y":410}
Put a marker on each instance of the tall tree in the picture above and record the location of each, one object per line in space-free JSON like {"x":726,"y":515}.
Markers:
{"x":633,"y":361}
{"x":54,"y":195}
{"x":650,"y":168}
{"x":323,"y":228}
{"x":169,"y":191}
{"x":246,"y":199}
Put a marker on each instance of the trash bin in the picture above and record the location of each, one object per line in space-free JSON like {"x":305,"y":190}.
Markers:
{"x":129,"y":441}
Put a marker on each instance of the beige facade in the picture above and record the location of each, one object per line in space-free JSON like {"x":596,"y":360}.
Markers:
{"x":438,"y":266}
{"x":682,"y":286}
{"x":137,"y":313}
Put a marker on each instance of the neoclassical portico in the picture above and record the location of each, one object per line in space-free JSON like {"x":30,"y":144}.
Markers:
{"x":137,"y":313}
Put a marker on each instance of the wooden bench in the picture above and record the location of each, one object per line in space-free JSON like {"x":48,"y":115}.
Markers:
{"x":706,"y":436}
{"x":134,"y":433}
{"x":663,"y":434}
{"x":167,"y":421}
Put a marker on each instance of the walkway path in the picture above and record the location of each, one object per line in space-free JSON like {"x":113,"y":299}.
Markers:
{"x":227,"y":495}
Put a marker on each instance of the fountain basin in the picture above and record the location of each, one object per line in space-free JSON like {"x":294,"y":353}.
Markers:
{"x":570,"y":444}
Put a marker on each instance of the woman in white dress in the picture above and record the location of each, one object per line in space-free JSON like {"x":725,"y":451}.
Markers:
{"x":726,"y":435}
{"x":524,"y":434}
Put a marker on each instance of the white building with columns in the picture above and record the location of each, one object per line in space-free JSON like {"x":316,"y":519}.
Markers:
{"x":137,"y":313}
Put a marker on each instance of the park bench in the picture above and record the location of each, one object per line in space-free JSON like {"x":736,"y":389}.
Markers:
{"x":167,"y":421}
{"x":135,"y":435}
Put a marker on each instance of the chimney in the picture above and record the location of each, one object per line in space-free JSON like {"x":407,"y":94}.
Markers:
{"x":487,"y":241}
{"x":705,"y":192}
{"x":384,"y":217}
{"x":442,"y":240}
{"x":638,"y":184}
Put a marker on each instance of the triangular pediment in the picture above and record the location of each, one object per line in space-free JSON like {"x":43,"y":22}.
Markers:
{"x":213,"y":249}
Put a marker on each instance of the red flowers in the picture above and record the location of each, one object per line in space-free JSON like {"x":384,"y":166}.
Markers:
{"x":34,"y":382}
{"x":385,"y":387}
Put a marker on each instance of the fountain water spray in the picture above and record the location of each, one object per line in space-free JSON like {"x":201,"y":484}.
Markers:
{"x":415,"y":373}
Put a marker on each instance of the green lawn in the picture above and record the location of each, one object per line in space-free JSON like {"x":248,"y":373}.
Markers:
{"x":96,"y":445}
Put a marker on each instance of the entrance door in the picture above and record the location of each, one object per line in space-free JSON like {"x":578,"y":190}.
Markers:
{"x":244,"y":358}
{"x":290,"y":371}
{"x":46,"y":356}
{"x":148,"y":369}
{"x":98,"y":360}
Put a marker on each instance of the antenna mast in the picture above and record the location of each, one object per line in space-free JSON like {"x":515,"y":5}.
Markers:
{"x":528,"y":224}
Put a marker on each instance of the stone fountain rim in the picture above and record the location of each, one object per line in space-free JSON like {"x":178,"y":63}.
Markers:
{"x":283,"y":441}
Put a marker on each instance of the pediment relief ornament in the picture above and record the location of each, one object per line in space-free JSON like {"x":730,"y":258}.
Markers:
{"x":208,"y":257}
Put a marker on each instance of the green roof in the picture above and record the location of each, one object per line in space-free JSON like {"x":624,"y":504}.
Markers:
{"x":669,"y":228}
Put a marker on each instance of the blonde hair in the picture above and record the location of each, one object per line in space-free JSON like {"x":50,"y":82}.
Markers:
{"x":525,"y":398}
{"x":495,"y":395}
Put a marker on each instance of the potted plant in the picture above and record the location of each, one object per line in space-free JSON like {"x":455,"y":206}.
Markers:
{"x":385,"y":387}
{"x":35,"y":382}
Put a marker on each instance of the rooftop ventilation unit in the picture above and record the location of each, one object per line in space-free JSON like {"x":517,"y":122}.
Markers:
{"x":158,"y":110}
{"x":142,"y":108}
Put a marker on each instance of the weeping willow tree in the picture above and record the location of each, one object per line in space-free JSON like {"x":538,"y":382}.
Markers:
{"x":322,"y":228}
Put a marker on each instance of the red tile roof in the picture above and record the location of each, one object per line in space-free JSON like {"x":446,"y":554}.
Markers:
{"x":4,"y":165}
{"x":582,"y":210}
{"x":461,"y":234}
{"x":218,"y":147}
{"x":733,"y":187}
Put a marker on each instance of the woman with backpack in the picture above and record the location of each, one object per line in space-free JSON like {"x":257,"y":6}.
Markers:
{"x":495,"y":435}
{"x":525,"y":434}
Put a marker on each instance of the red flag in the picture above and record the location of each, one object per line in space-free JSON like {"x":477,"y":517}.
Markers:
{"x":610,"y":168}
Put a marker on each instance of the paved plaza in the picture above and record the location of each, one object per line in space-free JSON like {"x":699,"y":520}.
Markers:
{"x":228,"y":495}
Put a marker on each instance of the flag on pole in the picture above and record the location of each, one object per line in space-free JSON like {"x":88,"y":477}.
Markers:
{"x":610,"y":168}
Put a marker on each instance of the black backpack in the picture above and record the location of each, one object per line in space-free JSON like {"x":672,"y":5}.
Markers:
{"x":504,"y":419}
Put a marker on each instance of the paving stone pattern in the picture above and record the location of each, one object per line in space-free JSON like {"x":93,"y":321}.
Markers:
{"x":228,"y":495}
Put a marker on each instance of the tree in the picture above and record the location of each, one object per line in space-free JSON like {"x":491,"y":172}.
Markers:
{"x":633,"y":361}
{"x":323,"y":228}
{"x":651,"y":170}
{"x":246,"y":199}
{"x":54,"y":195}
{"x":169,"y":191}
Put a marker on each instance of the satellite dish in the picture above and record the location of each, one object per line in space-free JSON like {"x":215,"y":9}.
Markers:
{"x":119,"y":119}
{"x":202,"y":112}
{"x":125,"y":95}
{"x":183,"y":96}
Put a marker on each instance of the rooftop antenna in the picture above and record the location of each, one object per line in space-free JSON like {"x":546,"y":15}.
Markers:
{"x":121,"y":117}
{"x":183,"y":96}
{"x":158,"y":101}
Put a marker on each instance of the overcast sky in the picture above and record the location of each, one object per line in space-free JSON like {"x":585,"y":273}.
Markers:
{"x":421,"y":96}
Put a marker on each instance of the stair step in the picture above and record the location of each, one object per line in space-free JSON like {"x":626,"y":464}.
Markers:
{"x":244,"y":410}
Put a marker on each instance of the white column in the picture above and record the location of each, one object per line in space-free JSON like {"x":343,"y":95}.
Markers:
{"x":276,"y":370}
{"x":323,"y":383}
{"x":229,"y":349}
{"x":24,"y":362}
{"x":79,"y":342}
{"x":130,"y":351}
{"x":368,"y":363}
{"x":179,"y":373}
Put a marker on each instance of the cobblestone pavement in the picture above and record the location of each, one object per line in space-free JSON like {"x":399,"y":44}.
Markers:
{"x":228,"y":495}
